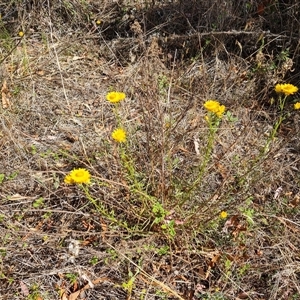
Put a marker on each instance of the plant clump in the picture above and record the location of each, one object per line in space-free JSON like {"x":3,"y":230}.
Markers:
{"x":189,"y":191}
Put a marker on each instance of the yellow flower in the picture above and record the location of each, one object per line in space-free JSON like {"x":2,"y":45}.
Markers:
{"x":212,"y":105}
{"x":297,"y":105}
{"x":98,"y":22}
{"x":21,"y":33}
{"x":215,"y":107}
{"x":115,"y":97}
{"x":78,"y":176}
{"x":223,"y":215}
{"x":286,"y":89}
{"x":119,"y":135}
{"x":220,"y":111}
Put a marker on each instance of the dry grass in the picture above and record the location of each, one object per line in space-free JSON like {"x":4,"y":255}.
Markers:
{"x":144,"y":230}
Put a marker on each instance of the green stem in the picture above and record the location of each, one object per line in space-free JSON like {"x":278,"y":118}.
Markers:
{"x":207,"y":155}
{"x":117,"y":115}
{"x":275,"y":127}
{"x":101,"y":209}
{"x":272,"y":135}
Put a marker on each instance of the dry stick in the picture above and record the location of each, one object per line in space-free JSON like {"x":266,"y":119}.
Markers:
{"x":110,"y":49}
{"x":157,"y":282}
{"x":57,"y":59}
{"x":252,"y":169}
{"x":11,"y":51}
{"x":219,"y":190}
{"x":215,"y":34}
{"x":236,"y":284}
{"x":163,"y":170}
{"x":231,"y":32}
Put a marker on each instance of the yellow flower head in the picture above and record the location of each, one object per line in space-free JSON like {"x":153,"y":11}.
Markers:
{"x":220,"y":111}
{"x":215,"y":107}
{"x":21,"y":33}
{"x":115,"y":97}
{"x":297,"y":105}
{"x":98,"y":22}
{"x":286,"y":89}
{"x":119,"y":135}
{"x":78,"y":176}
{"x":223,"y":215}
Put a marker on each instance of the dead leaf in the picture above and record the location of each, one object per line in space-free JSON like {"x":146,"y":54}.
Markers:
{"x":104,"y":229}
{"x":277,"y":193}
{"x":183,"y":149}
{"x":91,"y":284}
{"x":201,"y":273}
{"x":74,"y":295}
{"x":232,"y":222}
{"x":17,"y":197}
{"x":197,"y":145}
{"x":259,"y":252}
{"x":222,"y":170}
{"x":73,"y":250}
{"x":75,"y":286}
{"x":78,"y":57}
{"x":64,"y":296}
{"x":239,"y":228}
{"x":88,"y":241}
{"x":215,"y":259}
{"x":24,"y":288}
{"x":5,"y":96}
{"x":87,"y":226}
{"x":40,"y":72}
{"x":243,"y":295}
{"x":295,"y":202}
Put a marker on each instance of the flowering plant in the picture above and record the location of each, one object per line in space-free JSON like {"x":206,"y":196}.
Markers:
{"x":286,"y":89}
{"x":215,"y":107}
{"x":115,"y":97}
{"x":78,"y":176}
{"x":297,"y":105}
